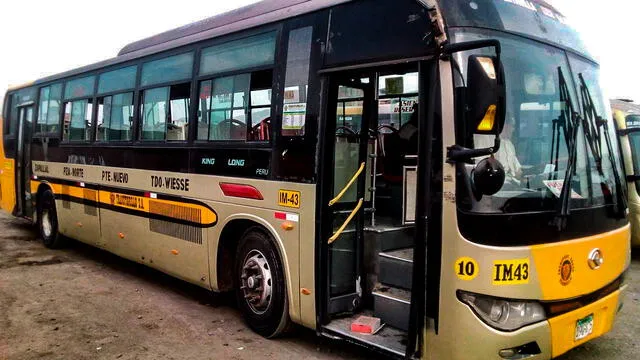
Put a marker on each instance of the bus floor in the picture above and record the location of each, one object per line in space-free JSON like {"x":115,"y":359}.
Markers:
{"x":387,"y":338}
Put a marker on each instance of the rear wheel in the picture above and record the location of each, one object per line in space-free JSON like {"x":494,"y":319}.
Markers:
{"x":260,"y":285}
{"x":48,"y":221}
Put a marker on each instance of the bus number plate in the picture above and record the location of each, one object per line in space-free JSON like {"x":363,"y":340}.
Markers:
{"x":289,"y":198}
{"x":511,"y":272}
{"x":584,"y":327}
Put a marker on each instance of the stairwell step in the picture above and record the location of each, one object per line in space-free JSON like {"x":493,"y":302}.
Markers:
{"x":396,"y":268}
{"x":392,"y":305}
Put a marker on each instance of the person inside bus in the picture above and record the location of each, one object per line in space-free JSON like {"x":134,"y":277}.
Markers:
{"x":506,"y":155}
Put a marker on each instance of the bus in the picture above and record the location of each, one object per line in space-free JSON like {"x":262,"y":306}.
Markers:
{"x":627,"y":117}
{"x":428,"y":179}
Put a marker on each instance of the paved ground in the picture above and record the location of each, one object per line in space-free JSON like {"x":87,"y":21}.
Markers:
{"x":83,"y":303}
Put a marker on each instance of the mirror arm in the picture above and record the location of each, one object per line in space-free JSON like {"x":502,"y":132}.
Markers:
{"x":457,"y":153}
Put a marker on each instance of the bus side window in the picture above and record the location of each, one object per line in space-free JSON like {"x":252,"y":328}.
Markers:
{"x":297,"y":82}
{"x":237,"y":107}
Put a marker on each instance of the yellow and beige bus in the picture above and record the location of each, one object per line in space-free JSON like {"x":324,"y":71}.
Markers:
{"x":447,"y":167}
{"x":627,"y":117}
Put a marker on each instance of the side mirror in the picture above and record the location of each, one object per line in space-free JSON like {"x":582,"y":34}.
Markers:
{"x":485,"y":95}
{"x":487,"y":177}
{"x":485,"y":98}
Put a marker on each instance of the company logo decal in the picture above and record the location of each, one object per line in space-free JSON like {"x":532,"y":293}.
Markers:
{"x":565,"y":270}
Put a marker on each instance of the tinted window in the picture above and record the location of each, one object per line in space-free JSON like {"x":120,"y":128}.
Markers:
{"x":247,"y":53}
{"x":165,"y":113}
{"x":17,"y":99}
{"x":169,"y":69}
{"x":236,"y":107}
{"x":115,"y":117}
{"x":297,"y":81}
{"x":394,"y":29}
{"x":77,"y":120}
{"x":78,"y":88}
{"x":49,"y":109}
{"x":121,"y":79}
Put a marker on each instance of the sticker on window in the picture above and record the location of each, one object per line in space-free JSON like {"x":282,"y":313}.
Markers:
{"x":294,"y":116}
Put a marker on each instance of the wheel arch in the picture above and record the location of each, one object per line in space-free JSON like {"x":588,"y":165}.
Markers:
{"x":233,"y":228}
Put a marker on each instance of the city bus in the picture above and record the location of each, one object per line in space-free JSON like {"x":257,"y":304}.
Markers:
{"x":627,"y":117}
{"x":428,"y":179}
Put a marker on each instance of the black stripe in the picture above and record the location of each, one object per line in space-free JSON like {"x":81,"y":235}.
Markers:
{"x":133,"y":212}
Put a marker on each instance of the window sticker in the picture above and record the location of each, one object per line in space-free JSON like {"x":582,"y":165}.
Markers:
{"x":294,"y":116}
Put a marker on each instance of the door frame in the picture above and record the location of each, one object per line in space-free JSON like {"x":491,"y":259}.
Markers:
{"x":22,"y":159}
{"x":351,"y":301}
{"x":426,"y":276}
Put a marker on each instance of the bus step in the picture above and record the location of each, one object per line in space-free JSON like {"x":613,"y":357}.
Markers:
{"x":388,"y":238}
{"x":396,"y":268}
{"x":392,"y":306}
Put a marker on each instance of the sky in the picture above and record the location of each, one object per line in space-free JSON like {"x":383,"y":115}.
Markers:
{"x":41,"y":38}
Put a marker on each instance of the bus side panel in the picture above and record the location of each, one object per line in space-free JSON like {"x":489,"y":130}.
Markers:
{"x":7,"y":178}
{"x":296,"y":246}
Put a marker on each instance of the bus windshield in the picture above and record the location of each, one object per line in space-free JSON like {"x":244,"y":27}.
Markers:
{"x":531,"y":18}
{"x":543,"y":85}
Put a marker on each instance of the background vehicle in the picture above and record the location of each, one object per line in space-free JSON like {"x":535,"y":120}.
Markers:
{"x":627,"y":117}
{"x":324,"y":168}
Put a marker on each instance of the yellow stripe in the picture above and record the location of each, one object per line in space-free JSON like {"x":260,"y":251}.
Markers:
{"x":548,"y":258}
{"x":173,"y":209}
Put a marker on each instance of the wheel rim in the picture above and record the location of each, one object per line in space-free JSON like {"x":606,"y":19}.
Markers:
{"x":46,"y":223}
{"x":256,"y":282}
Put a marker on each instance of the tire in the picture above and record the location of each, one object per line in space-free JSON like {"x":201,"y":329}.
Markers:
{"x":260,"y":287}
{"x":48,"y":221}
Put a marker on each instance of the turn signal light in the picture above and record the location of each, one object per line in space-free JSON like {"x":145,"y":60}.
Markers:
{"x":489,"y":119}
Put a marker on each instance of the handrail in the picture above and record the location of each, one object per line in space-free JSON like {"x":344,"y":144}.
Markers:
{"x":353,"y":179}
{"x":337,"y":234}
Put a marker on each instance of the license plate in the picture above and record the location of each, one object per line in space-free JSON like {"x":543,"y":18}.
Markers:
{"x":584,"y":327}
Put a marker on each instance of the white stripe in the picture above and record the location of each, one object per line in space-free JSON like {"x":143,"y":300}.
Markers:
{"x":293,"y":217}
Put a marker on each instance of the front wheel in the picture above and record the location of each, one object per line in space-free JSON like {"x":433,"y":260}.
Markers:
{"x":260,"y":285}
{"x":48,"y":221}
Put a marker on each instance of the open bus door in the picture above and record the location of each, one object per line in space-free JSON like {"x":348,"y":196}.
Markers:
{"x":378,"y":267}
{"x":23,"y":161}
{"x":347,"y":125}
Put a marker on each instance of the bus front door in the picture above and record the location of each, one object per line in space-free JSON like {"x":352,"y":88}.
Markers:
{"x":23,"y":162}
{"x":347,"y":141}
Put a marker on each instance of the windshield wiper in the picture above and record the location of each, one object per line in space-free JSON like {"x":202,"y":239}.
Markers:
{"x":569,"y":122}
{"x":593,"y":124}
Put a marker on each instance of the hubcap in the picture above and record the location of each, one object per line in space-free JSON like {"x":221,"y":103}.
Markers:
{"x":256,"y":282}
{"x":46,"y":223}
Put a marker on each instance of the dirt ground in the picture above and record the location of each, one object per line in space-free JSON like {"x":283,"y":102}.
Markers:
{"x":84,"y":303}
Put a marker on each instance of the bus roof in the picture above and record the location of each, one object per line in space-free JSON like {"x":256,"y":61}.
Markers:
{"x":251,"y":16}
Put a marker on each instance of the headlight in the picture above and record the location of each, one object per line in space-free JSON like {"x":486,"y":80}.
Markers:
{"x":505,"y":315}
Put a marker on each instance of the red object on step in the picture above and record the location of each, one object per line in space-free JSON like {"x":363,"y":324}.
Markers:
{"x":365,"y":325}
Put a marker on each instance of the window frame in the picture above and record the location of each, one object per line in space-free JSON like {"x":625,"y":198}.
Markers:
{"x":49,"y":134}
{"x":133,"y":120}
{"x":94,"y":108}
{"x":272,"y":106}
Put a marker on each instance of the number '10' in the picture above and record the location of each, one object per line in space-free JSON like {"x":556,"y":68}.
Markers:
{"x":467,"y":269}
